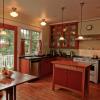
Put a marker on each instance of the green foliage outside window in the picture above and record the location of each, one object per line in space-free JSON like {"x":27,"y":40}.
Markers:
{"x":35,"y":40}
{"x":7,"y":50}
{"x":9,"y":38}
{"x":31,"y":40}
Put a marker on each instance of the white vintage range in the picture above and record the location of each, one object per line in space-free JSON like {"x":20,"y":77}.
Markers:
{"x":94,"y":69}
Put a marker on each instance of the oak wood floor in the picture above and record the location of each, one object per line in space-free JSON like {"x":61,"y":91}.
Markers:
{"x":41,"y":90}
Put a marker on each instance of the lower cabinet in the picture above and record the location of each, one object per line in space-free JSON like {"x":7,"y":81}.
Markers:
{"x":46,"y":67}
{"x":60,"y":76}
{"x":43,"y":68}
{"x":68,"y":78}
{"x":74,"y":80}
{"x":71,"y":75}
{"x":24,"y":66}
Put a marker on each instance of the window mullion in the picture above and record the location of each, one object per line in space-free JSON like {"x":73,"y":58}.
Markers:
{"x":30,"y":42}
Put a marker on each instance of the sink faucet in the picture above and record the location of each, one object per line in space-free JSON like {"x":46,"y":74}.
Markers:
{"x":71,"y":53}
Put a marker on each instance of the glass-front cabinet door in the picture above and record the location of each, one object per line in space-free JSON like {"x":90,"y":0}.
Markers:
{"x":73,"y":35}
{"x":69,"y":32}
{"x":72,"y":40}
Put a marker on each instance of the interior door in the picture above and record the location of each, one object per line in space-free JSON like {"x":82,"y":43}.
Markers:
{"x":12,"y":30}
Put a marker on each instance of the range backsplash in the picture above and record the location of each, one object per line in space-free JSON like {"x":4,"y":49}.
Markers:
{"x":79,"y":52}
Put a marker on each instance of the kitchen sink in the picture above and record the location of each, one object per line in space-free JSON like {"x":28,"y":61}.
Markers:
{"x":33,"y":57}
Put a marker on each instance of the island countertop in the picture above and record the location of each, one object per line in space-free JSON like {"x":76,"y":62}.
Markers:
{"x":70,"y":63}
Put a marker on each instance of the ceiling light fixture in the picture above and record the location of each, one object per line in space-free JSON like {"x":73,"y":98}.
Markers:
{"x":61,"y":37}
{"x":14,"y":13}
{"x":43,"y":22}
{"x":2,"y":30}
{"x":80,"y":37}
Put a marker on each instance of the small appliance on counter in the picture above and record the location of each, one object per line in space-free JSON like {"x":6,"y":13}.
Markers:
{"x":95,"y":57}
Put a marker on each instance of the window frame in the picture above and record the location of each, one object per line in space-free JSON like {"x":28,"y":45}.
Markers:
{"x":30,"y":38}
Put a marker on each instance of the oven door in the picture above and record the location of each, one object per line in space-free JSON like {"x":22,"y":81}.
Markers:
{"x":92,"y":67}
{"x":94,"y":71}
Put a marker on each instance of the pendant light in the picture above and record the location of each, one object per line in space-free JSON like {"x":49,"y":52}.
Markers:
{"x":43,"y":22}
{"x":14,"y":12}
{"x":80,"y":37}
{"x":61,"y":37}
{"x":2,"y":31}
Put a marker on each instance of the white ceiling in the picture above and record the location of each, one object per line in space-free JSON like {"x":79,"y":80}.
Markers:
{"x":32,"y":11}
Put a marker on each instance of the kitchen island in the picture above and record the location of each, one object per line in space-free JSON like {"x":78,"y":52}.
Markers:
{"x":71,"y":75}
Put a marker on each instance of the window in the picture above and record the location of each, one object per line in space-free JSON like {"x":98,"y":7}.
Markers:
{"x":31,"y":38}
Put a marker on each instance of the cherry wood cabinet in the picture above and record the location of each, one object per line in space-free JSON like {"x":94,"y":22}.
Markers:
{"x":44,"y":67}
{"x":60,"y":76}
{"x":70,"y":32}
{"x":24,"y":65}
{"x":71,"y":75}
{"x":75,"y":80}
{"x":71,"y":79}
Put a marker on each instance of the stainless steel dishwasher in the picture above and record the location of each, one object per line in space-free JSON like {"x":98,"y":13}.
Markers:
{"x":34,"y":65}
{"x":34,"y":68}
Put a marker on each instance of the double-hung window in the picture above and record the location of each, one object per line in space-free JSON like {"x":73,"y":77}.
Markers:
{"x":31,"y":39}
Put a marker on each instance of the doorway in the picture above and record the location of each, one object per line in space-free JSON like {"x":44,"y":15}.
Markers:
{"x":8,"y":48}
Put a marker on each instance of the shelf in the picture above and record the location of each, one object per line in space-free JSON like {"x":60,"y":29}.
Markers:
{"x":92,"y":37}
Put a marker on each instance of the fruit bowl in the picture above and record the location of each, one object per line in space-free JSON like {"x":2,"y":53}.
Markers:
{"x":7,"y":73}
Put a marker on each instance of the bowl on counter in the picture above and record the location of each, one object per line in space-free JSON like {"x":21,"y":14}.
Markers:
{"x":7,"y":73}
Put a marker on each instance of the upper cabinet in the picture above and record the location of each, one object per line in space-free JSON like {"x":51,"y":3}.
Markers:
{"x":69,"y":32}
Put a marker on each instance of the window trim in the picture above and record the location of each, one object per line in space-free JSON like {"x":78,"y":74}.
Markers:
{"x":30,"y":36}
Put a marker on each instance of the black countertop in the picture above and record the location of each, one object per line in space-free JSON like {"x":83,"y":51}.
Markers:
{"x":38,"y":58}
{"x":86,"y":57}
{"x":35,"y":58}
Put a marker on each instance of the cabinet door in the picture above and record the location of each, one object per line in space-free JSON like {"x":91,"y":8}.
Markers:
{"x":53,"y":36}
{"x":74,"y":80}
{"x":45,"y":68}
{"x":70,"y":33}
{"x":60,"y":76}
{"x":24,"y":66}
{"x":72,"y":40}
{"x":73,"y":33}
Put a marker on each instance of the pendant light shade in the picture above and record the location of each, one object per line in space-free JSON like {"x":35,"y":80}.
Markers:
{"x":61,"y":37}
{"x":80,"y":37}
{"x":14,"y":12}
{"x":2,"y":30}
{"x":43,"y":22}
